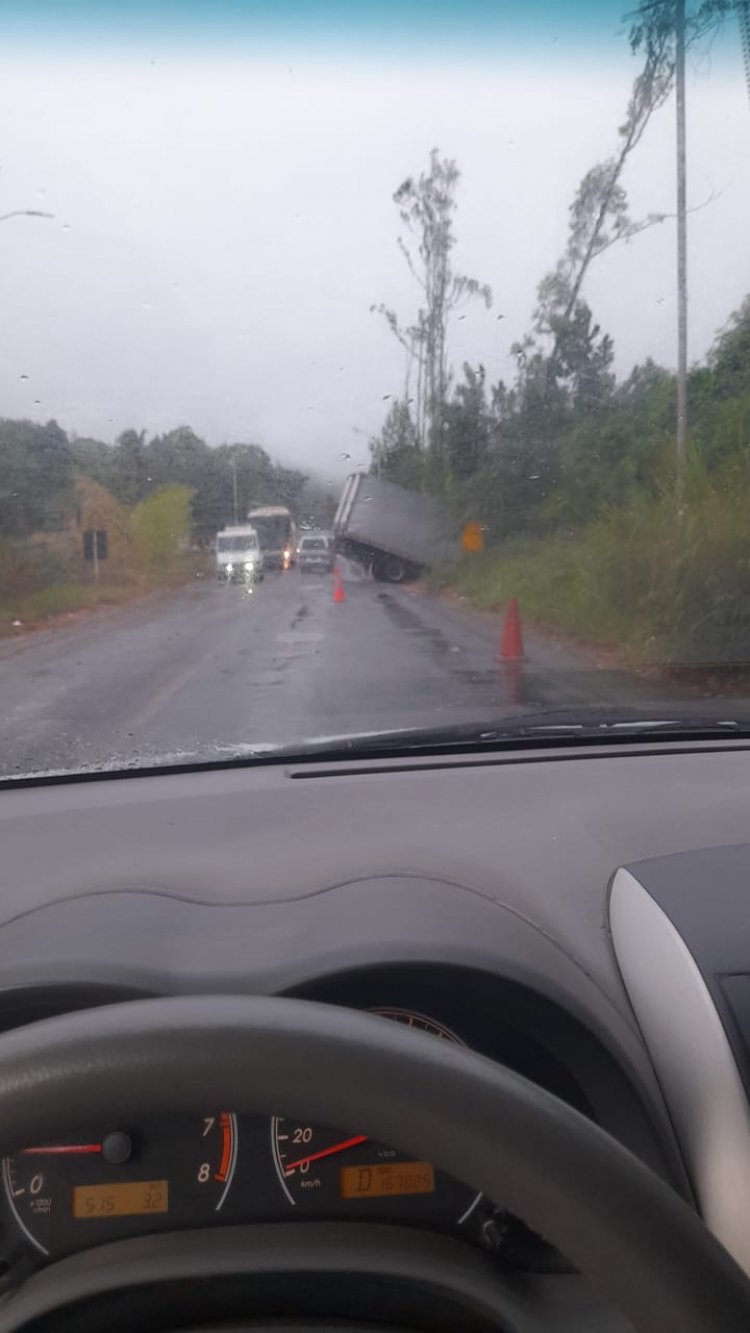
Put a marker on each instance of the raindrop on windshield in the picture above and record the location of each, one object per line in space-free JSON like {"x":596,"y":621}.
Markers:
{"x":23,"y":377}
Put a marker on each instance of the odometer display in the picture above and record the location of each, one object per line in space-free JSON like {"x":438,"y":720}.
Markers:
{"x":330,"y":1173}
{"x":95,"y":1187}
{"x":381,"y":1180}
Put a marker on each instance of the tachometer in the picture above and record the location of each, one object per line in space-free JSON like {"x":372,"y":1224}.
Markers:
{"x":327,"y":1172}
{"x":92,"y":1188}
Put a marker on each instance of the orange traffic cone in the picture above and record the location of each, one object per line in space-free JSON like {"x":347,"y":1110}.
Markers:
{"x":512,"y":677}
{"x":511,"y":642}
{"x":338,"y":588}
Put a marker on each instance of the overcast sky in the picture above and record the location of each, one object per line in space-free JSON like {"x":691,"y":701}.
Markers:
{"x":223,"y":216}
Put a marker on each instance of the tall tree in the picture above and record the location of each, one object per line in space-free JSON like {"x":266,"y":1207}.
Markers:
{"x":426,"y":207}
{"x":395,"y":450}
{"x":36,"y":477}
{"x":729,"y":358}
{"x":468,"y":425}
{"x":599,"y":215}
{"x":130,"y":482}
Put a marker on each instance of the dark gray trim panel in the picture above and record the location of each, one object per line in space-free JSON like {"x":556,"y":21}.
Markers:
{"x":445,"y":1272}
{"x":624,"y":1228}
{"x":692,"y":1056}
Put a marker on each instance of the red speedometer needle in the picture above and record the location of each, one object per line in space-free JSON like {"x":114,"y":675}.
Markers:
{"x":326,"y":1152}
{"x":55,"y":1148}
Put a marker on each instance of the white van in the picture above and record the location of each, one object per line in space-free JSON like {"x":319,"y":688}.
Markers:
{"x":238,"y":556}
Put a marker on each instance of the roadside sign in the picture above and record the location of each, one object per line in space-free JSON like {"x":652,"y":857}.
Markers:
{"x":472,"y":537}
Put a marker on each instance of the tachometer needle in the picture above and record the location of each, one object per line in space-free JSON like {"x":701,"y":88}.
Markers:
{"x":56,"y":1148}
{"x":326,"y":1152}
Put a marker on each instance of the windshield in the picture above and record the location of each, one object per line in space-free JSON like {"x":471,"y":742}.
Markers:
{"x":464,"y":285}
{"x":224,"y":544}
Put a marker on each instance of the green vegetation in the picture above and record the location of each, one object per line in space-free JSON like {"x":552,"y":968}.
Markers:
{"x":584,"y":526}
{"x":582,"y":521}
{"x":660,"y":591}
{"x":160,"y":527}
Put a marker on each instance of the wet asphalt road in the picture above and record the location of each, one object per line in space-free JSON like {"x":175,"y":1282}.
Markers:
{"x":210,"y":671}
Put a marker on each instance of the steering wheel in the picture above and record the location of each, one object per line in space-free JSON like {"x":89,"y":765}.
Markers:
{"x":627,"y":1231}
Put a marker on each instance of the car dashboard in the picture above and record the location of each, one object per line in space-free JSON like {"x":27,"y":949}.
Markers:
{"x":461,"y":914}
{"x":105,"y":1182}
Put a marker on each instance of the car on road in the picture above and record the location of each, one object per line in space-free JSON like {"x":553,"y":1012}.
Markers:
{"x":315,"y":553}
{"x":238,"y":555}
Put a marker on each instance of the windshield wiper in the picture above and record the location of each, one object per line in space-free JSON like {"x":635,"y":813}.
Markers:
{"x":605,"y":723}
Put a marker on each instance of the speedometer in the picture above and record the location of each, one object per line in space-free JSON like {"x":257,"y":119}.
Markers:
{"x":100,"y":1187}
{"x":329,"y":1172}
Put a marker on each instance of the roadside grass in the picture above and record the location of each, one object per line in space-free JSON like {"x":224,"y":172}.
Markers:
{"x":555,"y":582}
{"x":663,"y":591}
{"x":41,"y":606}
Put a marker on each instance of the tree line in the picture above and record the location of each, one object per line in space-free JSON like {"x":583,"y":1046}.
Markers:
{"x":39,"y":465}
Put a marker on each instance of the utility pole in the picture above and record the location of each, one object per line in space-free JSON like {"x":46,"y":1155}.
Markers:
{"x":682,"y":295}
{"x":233,"y":466}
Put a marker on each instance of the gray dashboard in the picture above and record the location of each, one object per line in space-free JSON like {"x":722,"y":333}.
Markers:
{"x":477,"y":888}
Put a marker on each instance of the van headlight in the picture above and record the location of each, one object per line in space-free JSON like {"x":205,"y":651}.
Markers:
{"x":230,"y":567}
{"x":249,"y":566}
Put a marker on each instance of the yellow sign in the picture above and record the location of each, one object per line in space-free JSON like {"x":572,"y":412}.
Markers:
{"x":472,"y":537}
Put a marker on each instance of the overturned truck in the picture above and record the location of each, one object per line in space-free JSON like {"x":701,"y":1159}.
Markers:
{"x":392,"y":531}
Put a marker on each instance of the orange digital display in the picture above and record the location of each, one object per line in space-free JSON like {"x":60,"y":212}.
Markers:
{"x":122,"y":1199}
{"x":383,"y":1178}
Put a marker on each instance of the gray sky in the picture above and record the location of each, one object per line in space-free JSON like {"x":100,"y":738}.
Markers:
{"x":222,"y":226}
